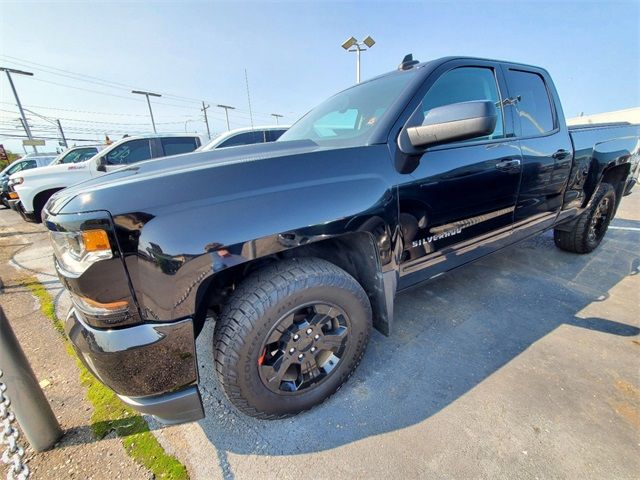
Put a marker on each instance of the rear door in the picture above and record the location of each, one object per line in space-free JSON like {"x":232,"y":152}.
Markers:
{"x":463,"y":194}
{"x":546,"y":148}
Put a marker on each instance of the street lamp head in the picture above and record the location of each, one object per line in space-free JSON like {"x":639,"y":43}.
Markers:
{"x":350,"y":42}
{"x":369,"y":42}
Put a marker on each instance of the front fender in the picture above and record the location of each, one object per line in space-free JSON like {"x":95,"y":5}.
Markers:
{"x":186,"y":244}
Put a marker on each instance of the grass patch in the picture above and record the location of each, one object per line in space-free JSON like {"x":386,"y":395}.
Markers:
{"x":109,"y":413}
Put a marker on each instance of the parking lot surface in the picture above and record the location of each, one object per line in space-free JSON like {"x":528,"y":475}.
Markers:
{"x":522,"y":365}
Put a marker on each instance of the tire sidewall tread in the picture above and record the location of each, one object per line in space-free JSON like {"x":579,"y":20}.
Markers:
{"x":257,"y":304}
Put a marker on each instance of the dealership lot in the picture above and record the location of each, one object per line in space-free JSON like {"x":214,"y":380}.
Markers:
{"x":524,"y":364}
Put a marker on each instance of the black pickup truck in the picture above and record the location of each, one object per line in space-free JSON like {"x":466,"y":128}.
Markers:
{"x":297,"y":248}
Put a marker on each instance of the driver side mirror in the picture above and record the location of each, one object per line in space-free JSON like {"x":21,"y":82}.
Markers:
{"x":102,"y":164}
{"x":454,"y":122}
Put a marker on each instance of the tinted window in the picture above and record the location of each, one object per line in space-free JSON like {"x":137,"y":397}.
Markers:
{"x":465,"y":85}
{"x":79,"y":155}
{"x":129,"y":152}
{"x":178,"y":145}
{"x":18,"y":167}
{"x":246,"y":138}
{"x":533,"y":106}
{"x":273,"y":135}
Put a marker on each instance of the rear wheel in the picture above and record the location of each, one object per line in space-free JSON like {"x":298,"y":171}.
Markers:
{"x":589,"y":230}
{"x":290,"y":336}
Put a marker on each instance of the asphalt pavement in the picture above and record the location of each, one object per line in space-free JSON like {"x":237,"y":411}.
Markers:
{"x":525,"y":364}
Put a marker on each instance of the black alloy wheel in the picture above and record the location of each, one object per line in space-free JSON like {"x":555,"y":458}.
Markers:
{"x":303,"y":348}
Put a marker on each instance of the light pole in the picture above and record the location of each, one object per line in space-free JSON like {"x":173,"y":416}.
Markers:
{"x":353,"y":45}
{"x":226,"y":111}
{"x":276,"y":116}
{"x":148,"y":94}
{"x":9,"y":71}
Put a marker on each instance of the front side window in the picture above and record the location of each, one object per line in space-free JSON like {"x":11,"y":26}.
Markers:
{"x":533,"y":105}
{"x":350,"y":117}
{"x":178,"y":145}
{"x":79,"y":155}
{"x":130,"y":152}
{"x":16,"y":168}
{"x":466,"y":84}
{"x":26,"y":165}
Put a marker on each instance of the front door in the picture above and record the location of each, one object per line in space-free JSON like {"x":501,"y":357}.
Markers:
{"x":129,"y":152}
{"x":460,"y":200}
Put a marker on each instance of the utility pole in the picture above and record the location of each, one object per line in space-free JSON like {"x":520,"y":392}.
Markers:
{"x":64,"y":140}
{"x":246,"y":81}
{"x":148,"y":94}
{"x":226,"y":111}
{"x":9,"y":71}
{"x":56,"y":123}
{"x":206,"y":120}
{"x":276,"y":116}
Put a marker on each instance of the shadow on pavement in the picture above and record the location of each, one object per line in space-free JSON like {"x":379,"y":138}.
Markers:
{"x":448,"y":337}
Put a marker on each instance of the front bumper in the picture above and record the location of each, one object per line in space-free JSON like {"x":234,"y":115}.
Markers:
{"x":16,"y":205}
{"x":152,"y":367}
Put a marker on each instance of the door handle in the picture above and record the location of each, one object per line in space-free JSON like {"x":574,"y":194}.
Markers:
{"x":508,"y":165}
{"x":560,"y":154}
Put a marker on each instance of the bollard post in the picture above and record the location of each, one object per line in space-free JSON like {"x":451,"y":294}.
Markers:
{"x":28,"y":402}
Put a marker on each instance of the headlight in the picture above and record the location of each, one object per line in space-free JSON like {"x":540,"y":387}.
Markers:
{"x":16,"y":181}
{"x":77,"y":251}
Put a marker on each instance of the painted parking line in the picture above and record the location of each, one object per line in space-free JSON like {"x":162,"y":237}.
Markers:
{"x":632,"y":229}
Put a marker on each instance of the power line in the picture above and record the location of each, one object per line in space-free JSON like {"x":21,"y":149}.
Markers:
{"x":102,"y":82}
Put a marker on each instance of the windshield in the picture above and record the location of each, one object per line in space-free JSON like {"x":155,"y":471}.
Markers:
{"x":348,"y":118}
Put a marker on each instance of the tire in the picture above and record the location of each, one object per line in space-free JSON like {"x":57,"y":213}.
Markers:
{"x":304,"y":290}
{"x":589,"y":230}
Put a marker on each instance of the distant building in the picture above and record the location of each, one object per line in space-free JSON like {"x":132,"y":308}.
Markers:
{"x":629,"y":115}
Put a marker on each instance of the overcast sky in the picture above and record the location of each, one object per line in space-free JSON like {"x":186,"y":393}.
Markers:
{"x":86,"y":56}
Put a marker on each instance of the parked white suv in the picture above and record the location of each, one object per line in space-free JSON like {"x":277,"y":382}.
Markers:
{"x":36,"y":186}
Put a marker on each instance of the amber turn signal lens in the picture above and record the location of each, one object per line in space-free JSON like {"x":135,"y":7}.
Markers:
{"x":121,"y":305}
{"x":95,"y":240}
{"x":13,"y":195}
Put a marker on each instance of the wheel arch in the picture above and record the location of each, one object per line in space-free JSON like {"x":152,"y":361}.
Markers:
{"x":355,"y":252}
{"x":41,"y":198}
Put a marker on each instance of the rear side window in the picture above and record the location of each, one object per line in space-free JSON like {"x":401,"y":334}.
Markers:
{"x":178,"y":145}
{"x":273,"y":135}
{"x":533,"y":106}
{"x":129,"y":152}
{"x":466,"y":84}
{"x":246,"y":138}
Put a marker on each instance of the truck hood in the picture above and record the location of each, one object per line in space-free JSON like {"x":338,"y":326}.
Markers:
{"x":166,"y":180}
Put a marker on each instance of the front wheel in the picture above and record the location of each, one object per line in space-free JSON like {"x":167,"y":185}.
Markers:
{"x":589,"y":230}
{"x":290,"y":336}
